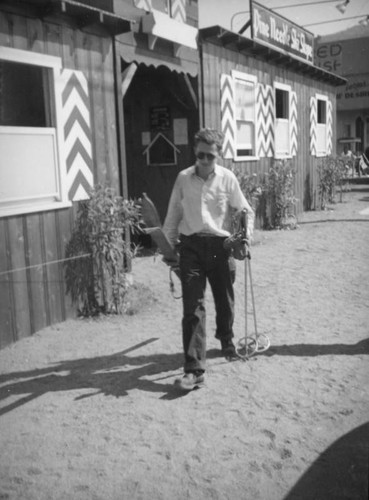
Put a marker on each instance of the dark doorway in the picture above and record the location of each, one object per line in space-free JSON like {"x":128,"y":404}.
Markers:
{"x":158,"y":101}
{"x":359,"y":133}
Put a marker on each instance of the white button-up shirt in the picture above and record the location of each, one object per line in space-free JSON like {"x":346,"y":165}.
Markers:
{"x":205,"y":206}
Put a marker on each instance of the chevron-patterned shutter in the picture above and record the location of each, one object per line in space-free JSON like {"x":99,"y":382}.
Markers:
{"x":76,"y":134}
{"x":313,"y":125}
{"x":265,"y":120}
{"x":227,"y":115}
{"x":179,"y":10}
{"x":143,"y":4}
{"x":329,"y":128}
{"x":293,"y":123}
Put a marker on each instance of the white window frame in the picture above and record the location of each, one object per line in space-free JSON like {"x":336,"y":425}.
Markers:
{"x":321,"y":129}
{"x":57,"y":200}
{"x":278,"y":154}
{"x":238,"y":75}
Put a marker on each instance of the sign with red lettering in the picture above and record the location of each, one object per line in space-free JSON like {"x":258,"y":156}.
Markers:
{"x":328,"y":56}
{"x":281,"y":34}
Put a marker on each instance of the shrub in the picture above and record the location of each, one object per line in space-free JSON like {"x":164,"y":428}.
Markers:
{"x":249,"y":184}
{"x":273,"y":196}
{"x":97,"y":252}
{"x":332,"y":172}
{"x":278,"y":193}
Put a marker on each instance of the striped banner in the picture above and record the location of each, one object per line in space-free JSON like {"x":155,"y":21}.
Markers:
{"x":329,"y":128}
{"x":77,"y":134}
{"x":265,"y":120}
{"x":293,"y":126}
{"x":179,"y":10}
{"x":313,"y":125}
{"x":227,"y":115}
{"x":143,"y":4}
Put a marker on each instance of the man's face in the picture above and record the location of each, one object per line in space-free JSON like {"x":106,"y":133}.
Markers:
{"x":206,"y":155}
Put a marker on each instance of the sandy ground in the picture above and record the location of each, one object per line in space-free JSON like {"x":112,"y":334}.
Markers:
{"x":89,"y":412}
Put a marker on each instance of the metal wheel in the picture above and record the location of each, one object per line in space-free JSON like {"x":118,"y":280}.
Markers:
{"x":263,"y":343}
{"x":247,"y":349}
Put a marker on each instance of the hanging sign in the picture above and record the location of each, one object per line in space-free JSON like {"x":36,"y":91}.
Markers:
{"x":355,"y":95}
{"x":328,"y":56}
{"x":159,"y":118}
{"x":281,"y":34}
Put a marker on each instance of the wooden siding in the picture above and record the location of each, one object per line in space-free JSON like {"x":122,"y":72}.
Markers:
{"x":32,"y":247}
{"x":218,"y":60}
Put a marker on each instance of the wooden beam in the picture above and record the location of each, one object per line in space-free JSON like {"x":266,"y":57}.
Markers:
{"x":245,"y":26}
{"x":191,"y":91}
{"x":152,"y":39}
{"x":127,"y":77}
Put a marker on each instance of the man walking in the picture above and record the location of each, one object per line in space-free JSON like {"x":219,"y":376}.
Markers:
{"x":197,"y":223}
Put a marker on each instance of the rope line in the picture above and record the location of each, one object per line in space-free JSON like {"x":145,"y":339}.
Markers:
{"x":44,"y":264}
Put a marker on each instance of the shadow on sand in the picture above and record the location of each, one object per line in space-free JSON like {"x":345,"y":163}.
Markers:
{"x":117,"y":374}
{"x":340,"y":473}
{"x":361,"y":347}
{"x":112,"y":375}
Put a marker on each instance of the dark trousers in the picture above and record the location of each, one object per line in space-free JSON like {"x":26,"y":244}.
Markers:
{"x":203,"y":258}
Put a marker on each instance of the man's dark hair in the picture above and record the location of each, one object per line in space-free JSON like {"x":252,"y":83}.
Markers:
{"x":210,"y":136}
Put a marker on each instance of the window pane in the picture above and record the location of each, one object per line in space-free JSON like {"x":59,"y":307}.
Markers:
{"x":23,"y":92}
{"x":28,"y":164}
{"x":245,"y":152}
{"x":321,"y":139}
{"x":245,"y":100}
{"x":282,"y":137}
{"x":245,"y":134}
{"x":281,"y":103}
{"x":322,"y":111}
{"x":347,"y":130}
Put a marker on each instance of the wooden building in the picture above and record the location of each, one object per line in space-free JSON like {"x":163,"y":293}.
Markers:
{"x":65,"y":66}
{"x":269,"y":99}
{"x":111,"y":92}
{"x":347,"y":54}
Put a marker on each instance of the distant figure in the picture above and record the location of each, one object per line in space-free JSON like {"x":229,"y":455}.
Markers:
{"x":363,"y":164}
{"x":347,"y":153}
{"x":350,"y":158}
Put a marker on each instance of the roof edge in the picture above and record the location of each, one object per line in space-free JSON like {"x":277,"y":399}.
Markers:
{"x":234,"y":41}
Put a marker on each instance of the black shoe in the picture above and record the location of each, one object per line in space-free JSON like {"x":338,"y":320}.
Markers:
{"x":190,"y":381}
{"x":228,"y":348}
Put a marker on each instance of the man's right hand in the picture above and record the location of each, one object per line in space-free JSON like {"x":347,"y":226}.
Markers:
{"x":171,"y":262}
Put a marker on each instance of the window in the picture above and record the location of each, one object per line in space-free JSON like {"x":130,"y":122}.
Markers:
{"x":245,"y":116}
{"x":282,"y":120}
{"x":19,"y":108}
{"x":31,"y":176}
{"x":321,"y":136}
{"x":347,"y":130}
{"x":322,"y":111}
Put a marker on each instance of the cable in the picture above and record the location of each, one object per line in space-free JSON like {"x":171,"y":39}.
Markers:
{"x":334,"y":21}
{"x":301,"y":4}
{"x":45,"y":264}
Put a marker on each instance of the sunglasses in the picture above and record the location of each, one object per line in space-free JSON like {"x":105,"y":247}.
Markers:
{"x":208,"y":156}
